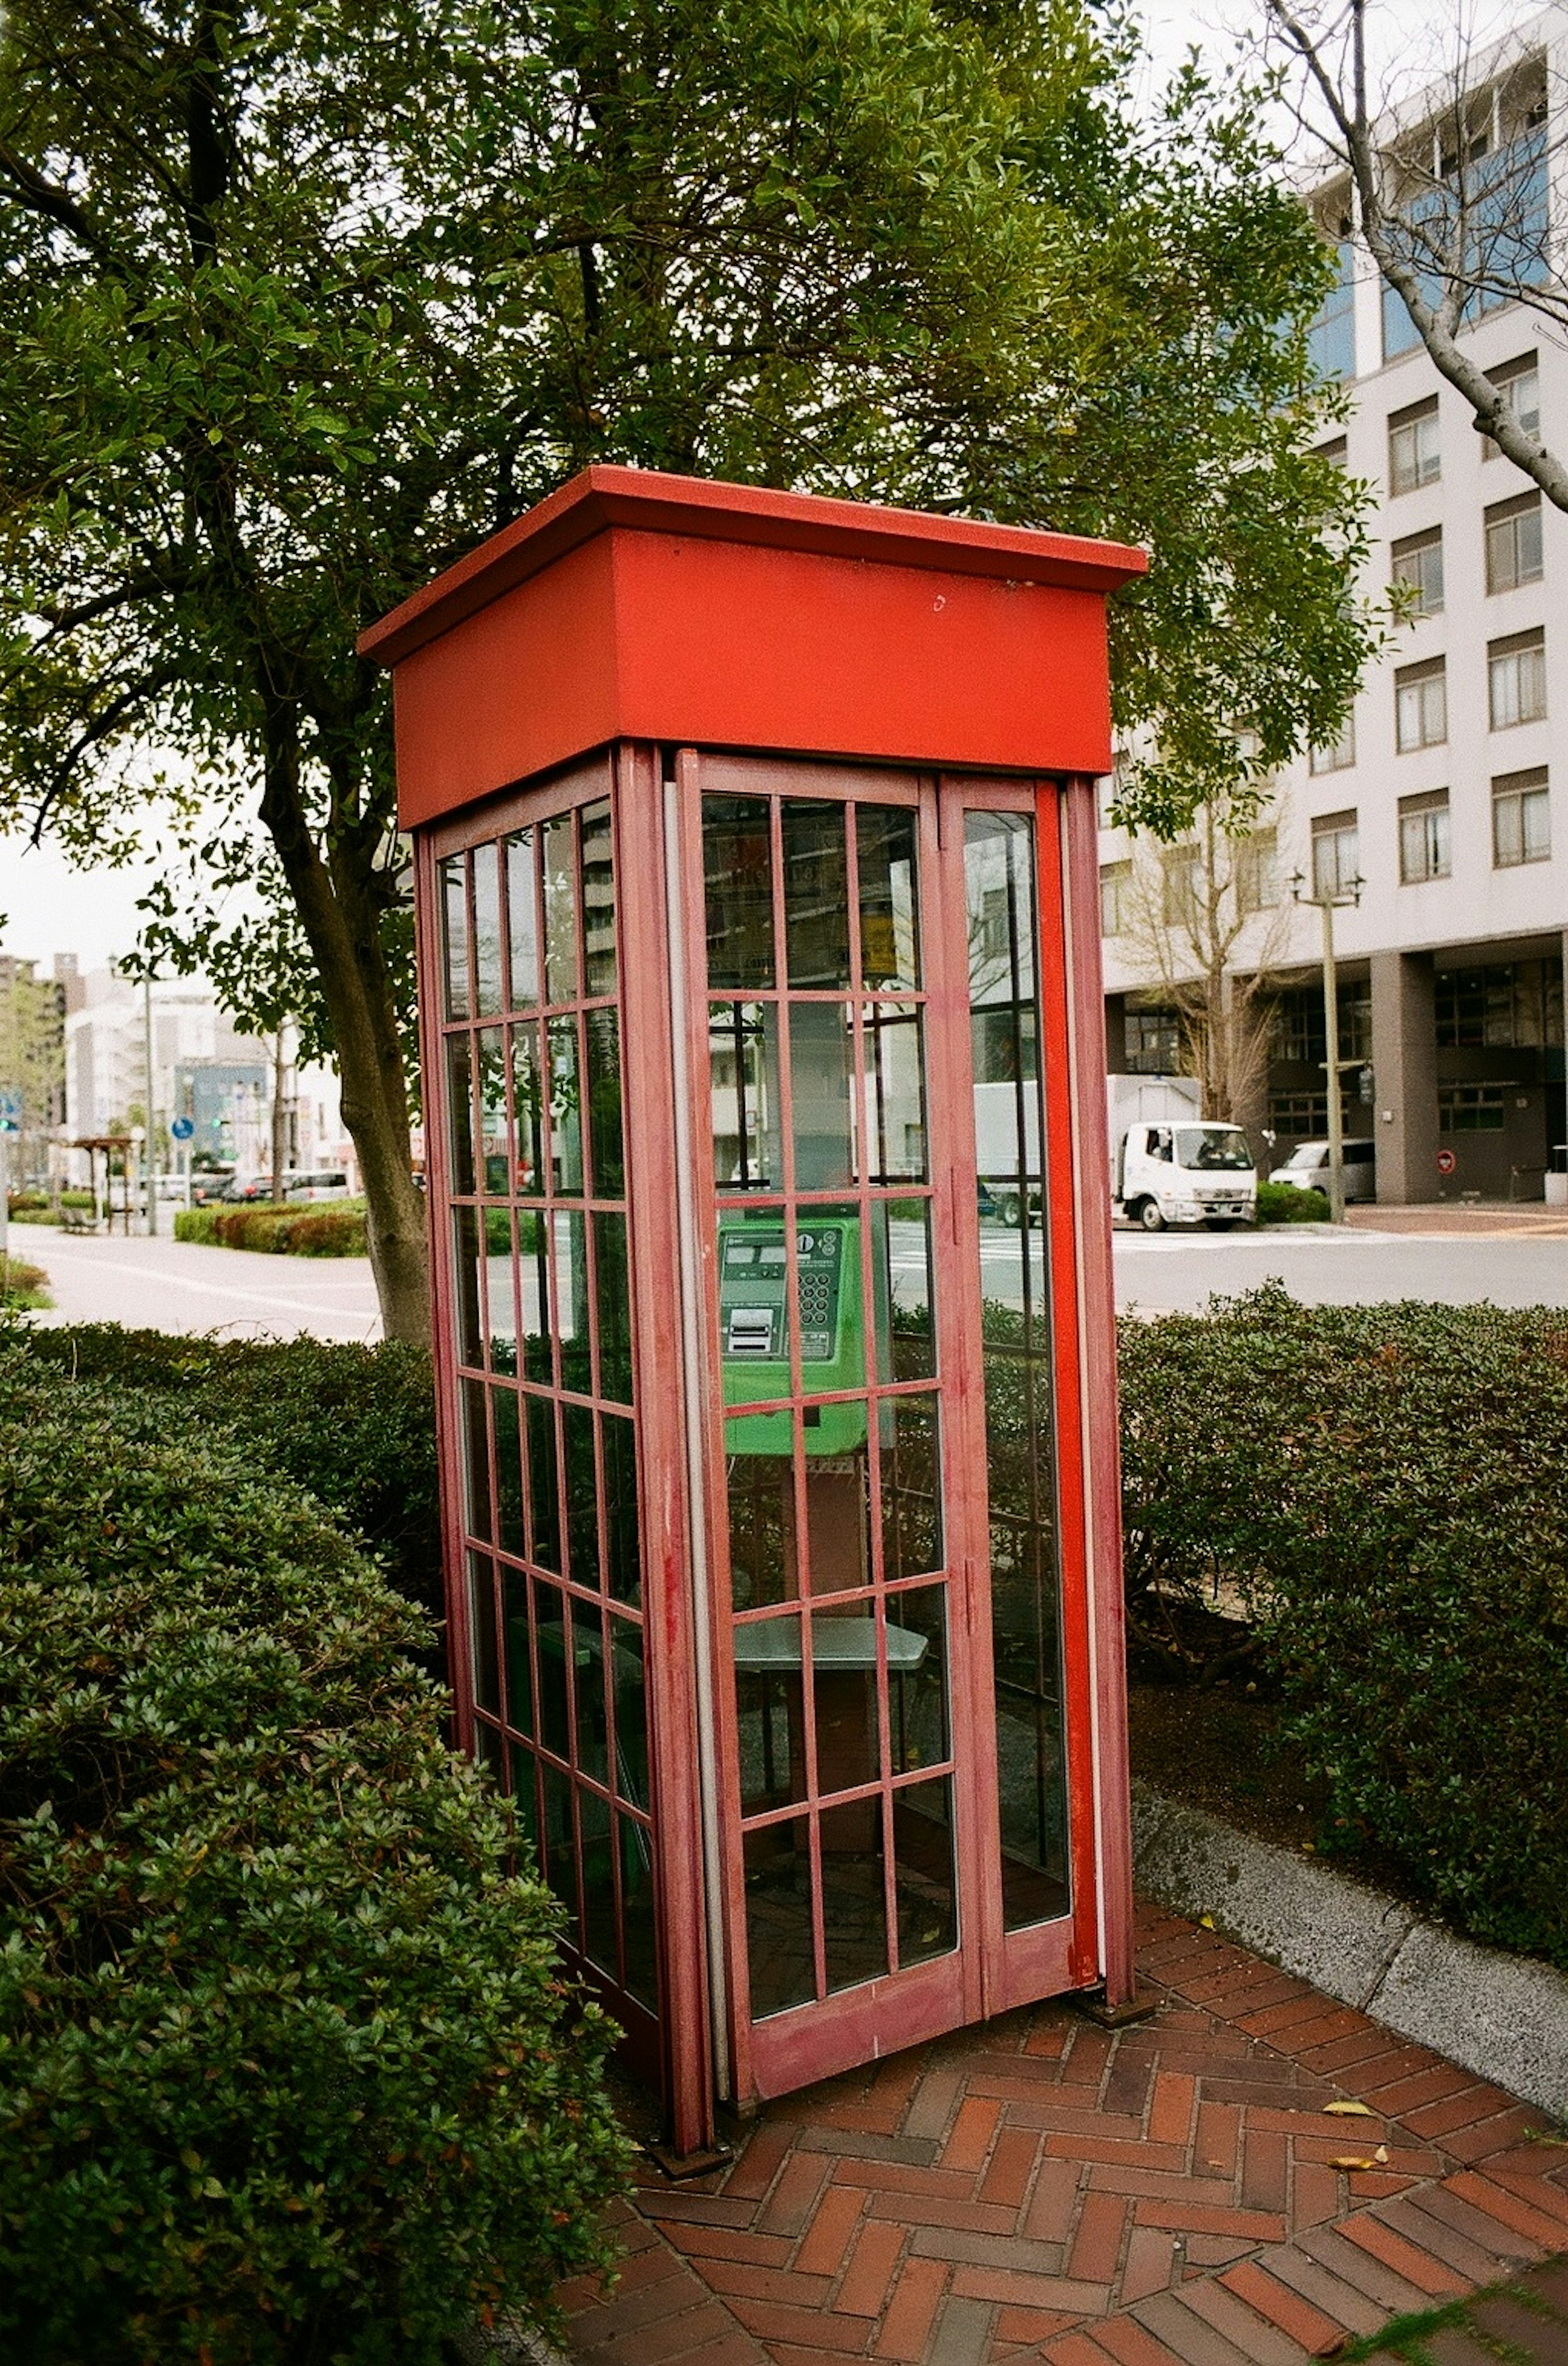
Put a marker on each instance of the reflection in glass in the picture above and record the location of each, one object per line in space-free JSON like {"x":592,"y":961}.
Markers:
{"x":582,"y":1495}
{"x":528,"y":1110}
{"x":551,"y":1632}
{"x":894,"y":1092}
{"x":570,"y":1234}
{"x":744,"y":1069}
{"x":631,"y":1712}
{"x":525,"y":1774}
{"x":523,"y":920}
{"x":821,"y":1069}
{"x":923,"y":1871}
{"x":508,"y":1471}
{"x":470,"y":1300}
{"x":588,"y":1681}
{"x":560,"y":911}
{"x":889,"y":926}
{"x":544,"y":1495}
{"x":768,"y":1714}
{"x":911,"y":1489}
{"x":598,"y":1882}
{"x":558,"y":1857}
{"x":738,"y":867}
{"x":640,"y":1930}
{"x":460,"y":1105}
{"x":533,"y":1287}
{"x":843,"y":1683}
{"x":491,"y":1753}
{"x":519,"y":1660}
{"x":598,"y":901}
{"x":838,"y":1505}
{"x":623,"y":1566}
{"x":762,"y":1559}
{"x":602,"y":1030}
{"x":500,"y":1300}
{"x":902,"y":1232}
{"x":917,"y":1679}
{"x":487,"y":930}
{"x":778,"y":1917}
{"x":476,"y":1458}
{"x":612,"y":1287}
{"x":566,"y":1106}
{"x":817,"y":891}
{"x":494,"y":1164}
{"x":455,"y":934}
{"x":481,"y":1597}
{"x":854,"y":1897}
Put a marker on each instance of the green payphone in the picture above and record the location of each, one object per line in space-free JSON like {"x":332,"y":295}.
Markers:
{"x":753,"y":1322}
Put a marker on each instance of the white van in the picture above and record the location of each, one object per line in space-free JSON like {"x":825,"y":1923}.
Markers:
{"x":1307,"y":1169}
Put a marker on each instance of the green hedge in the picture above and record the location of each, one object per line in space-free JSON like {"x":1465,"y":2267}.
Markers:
{"x":287,"y":2072}
{"x":1386,"y":1489}
{"x":23,"y":1286}
{"x":37,"y":1208}
{"x":327,"y":1228}
{"x":1287,"y":1203}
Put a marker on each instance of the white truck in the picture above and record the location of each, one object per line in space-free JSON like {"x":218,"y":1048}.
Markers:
{"x":1170,"y":1166}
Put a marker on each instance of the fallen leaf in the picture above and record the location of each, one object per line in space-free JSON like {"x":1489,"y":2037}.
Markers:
{"x":1205,"y":1921}
{"x":1346,"y":2111}
{"x":1382,"y":2152}
{"x":1352,"y":2160}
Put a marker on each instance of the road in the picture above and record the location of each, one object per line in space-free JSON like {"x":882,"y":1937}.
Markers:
{"x":174,"y":1286}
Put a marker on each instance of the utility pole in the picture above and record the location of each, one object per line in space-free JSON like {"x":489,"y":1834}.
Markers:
{"x":149,"y":1160}
{"x":279,"y":1114}
{"x":1326,"y":901}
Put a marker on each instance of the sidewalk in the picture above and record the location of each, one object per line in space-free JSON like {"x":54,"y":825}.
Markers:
{"x":1172,"y":2195}
{"x":1493,"y":1220}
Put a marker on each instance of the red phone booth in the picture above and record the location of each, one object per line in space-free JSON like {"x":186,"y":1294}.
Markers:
{"x":763,"y":1056}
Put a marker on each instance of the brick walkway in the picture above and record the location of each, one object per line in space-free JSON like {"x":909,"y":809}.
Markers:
{"x":1172,"y":2195}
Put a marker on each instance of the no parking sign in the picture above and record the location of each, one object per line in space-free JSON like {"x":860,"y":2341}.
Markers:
{"x":1445,"y":1162}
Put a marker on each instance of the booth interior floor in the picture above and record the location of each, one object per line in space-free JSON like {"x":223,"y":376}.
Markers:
{"x":1175,"y":2193}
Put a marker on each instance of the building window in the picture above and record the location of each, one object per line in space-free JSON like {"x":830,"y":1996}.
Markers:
{"x":1521,"y":819}
{"x":1420,"y":705}
{"x":1424,"y":838}
{"x":1337,"y":451}
{"x":1258,"y":872}
{"x":1302,"y":1116}
{"x":1513,"y":543}
{"x":1519,"y":383}
{"x":1179,"y":886}
{"x":1296,"y":1036}
{"x":1342,"y":754}
{"x":1335,"y":858}
{"x":1508,"y":1005}
{"x":1331,"y":340}
{"x":1515,"y":679}
{"x":1153,"y":1038}
{"x":1419,"y":564}
{"x":1470,"y":1108}
{"x":1115,"y":898}
{"x":1415,"y":455}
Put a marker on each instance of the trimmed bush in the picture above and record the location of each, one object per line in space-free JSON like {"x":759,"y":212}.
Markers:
{"x":23,"y":1285}
{"x":325,"y":1228}
{"x":287,"y":2072}
{"x":37,"y":1208}
{"x":1286,"y":1203}
{"x":1383,"y":1489}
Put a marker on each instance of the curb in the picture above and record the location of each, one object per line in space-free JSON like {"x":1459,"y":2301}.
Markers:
{"x":1503,"y":2016}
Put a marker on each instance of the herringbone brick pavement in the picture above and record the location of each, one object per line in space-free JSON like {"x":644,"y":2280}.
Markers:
{"x":1175,"y":2194}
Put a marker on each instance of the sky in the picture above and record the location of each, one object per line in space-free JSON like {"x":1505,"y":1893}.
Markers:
{"x":48,"y":908}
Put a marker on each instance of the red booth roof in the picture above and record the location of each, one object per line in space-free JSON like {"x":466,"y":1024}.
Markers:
{"x":632,"y":604}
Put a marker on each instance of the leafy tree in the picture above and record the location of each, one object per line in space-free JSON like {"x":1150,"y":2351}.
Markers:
{"x":308,"y":296}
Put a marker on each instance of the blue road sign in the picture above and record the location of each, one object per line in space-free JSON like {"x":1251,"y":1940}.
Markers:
{"x":183,"y":1127}
{"x":10,"y":1110}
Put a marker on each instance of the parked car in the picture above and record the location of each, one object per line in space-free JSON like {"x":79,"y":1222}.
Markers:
{"x":1307,"y":1169}
{"x":326,"y":1183}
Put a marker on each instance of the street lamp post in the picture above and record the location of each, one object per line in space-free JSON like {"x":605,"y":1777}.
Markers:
{"x":1327,"y":899}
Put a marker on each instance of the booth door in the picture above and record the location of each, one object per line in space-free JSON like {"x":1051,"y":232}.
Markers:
{"x":884,"y":1336}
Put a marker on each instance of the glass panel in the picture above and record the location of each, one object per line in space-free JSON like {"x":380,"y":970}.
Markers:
{"x":532,"y":1275}
{"x":494,"y":1166}
{"x":476,"y":1455}
{"x":523,"y":920}
{"x":481,"y":1598}
{"x":455,"y":934}
{"x":566,"y":1106}
{"x":582,"y":1495}
{"x":544,"y":1494}
{"x":598,"y":1917}
{"x":911,"y":1487}
{"x":569,"y":1232}
{"x":923,"y":1871}
{"x":560,"y":911}
{"x":917,"y":1679}
{"x":598,"y":901}
{"x":631,"y":1712}
{"x":469,"y":1295}
{"x":769,"y":1714}
{"x":508,"y":1472}
{"x":527,"y":1105}
{"x":778,"y":1917}
{"x":500,"y":1300}
{"x":889,"y":924}
{"x":901,"y":1231}
{"x":816,"y":893}
{"x":558,"y":1858}
{"x":744,"y":1069}
{"x":737,"y":866}
{"x":487,"y":929}
{"x":550,"y":1630}
{"x":838,"y":1508}
{"x":519,"y":1662}
{"x":854,"y":1896}
{"x":821,"y":1068}
{"x":490,"y":1753}
{"x":460,"y":1110}
{"x":843,"y":1684}
{"x":605,"y":1104}
{"x":590,"y":1678}
{"x":612,"y":1287}
{"x":762,"y":1559}
{"x":525,"y":1773}
{"x":640,"y":1930}
{"x":623,"y":1568}
{"x":894,"y":1092}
